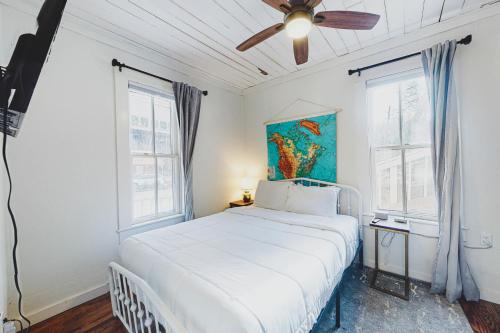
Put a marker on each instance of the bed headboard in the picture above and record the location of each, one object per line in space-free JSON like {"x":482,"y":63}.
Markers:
{"x":349,"y":203}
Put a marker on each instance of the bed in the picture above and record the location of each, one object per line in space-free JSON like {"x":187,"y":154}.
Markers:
{"x":247,"y":269}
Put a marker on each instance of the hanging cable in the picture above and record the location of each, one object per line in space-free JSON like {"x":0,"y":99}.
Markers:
{"x":387,"y":243}
{"x":483,"y":247}
{"x":4,"y":100}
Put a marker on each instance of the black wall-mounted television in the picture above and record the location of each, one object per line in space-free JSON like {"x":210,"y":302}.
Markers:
{"x":20,"y":77}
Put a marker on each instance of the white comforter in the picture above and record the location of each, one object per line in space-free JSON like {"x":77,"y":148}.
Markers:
{"x":245,"y":270}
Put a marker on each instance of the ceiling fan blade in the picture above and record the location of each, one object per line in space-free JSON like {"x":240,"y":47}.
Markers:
{"x":260,"y":37}
{"x":346,"y":20}
{"x":313,"y":3}
{"x":281,"y":5}
{"x":301,"y":50}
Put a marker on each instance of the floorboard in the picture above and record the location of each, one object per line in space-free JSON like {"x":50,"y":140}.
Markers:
{"x":483,"y":316}
{"x":96,"y":317}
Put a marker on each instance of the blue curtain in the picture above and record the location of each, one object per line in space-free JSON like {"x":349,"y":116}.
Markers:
{"x":188,"y":103}
{"x":451,"y":273}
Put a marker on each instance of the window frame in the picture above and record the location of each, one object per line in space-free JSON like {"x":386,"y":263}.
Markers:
{"x":124,"y":155}
{"x":401,"y":147}
{"x":175,"y":153}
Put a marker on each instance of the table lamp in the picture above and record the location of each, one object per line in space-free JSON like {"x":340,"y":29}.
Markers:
{"x":246,"y":186}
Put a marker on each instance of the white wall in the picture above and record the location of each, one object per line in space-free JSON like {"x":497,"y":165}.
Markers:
{"x":64,"y":168}
{"x":478,"y":71}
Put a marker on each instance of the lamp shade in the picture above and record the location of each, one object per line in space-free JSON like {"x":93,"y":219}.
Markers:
{"x":246,"y":184}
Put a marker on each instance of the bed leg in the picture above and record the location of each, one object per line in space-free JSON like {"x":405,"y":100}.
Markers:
{"x":337,"y":310}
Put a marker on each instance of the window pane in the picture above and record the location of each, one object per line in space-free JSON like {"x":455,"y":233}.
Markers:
{"x":384,"y":103}
{"x":389,"y":180}
{"x":163,"y":115}
{"x":143,"y":190}
{"x":415,"y":112}
{"x":166,"y":185}
{"x":141,"y":123}
{"x":420,"y":195}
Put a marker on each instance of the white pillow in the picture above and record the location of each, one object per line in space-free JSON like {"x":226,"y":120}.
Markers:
{"x":272,"y":195}
{"x":313,"y":200}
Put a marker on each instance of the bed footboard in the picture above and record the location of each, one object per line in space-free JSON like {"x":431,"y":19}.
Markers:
{"x":137,"y":306}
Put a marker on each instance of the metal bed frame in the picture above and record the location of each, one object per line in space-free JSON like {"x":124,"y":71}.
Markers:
{"x":141,"y":310}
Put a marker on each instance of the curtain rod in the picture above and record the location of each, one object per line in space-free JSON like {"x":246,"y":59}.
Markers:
{"x":464,"y":41}
{"x":120,"y":65}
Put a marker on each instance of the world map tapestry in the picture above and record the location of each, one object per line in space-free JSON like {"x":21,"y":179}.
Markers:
{"x":303,"y":148}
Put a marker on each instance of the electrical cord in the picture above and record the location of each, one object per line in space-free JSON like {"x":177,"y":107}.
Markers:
{"x":387,"y":243}
{"x":4,"y":106}
{"x":478,"y":247}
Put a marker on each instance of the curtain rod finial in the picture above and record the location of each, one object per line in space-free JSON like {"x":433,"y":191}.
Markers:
{"x":116,"y":63}
{"x":466,"y":40}
{"x":352,"y":71}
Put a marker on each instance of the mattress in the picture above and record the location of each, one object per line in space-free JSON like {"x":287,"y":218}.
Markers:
{"x":244,"y":270}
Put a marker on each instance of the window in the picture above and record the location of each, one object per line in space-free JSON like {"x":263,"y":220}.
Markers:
{"x":154,"y":152}
{"x":148,"y":159}
{"x":400,"y":146}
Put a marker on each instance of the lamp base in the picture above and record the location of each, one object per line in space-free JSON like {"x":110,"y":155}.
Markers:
{"x":247,"y":197}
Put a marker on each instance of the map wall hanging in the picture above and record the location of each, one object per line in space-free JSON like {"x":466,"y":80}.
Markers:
{"x":303,"y":148}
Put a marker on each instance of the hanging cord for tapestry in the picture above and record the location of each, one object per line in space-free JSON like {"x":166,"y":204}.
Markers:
{"x":326,"y":110}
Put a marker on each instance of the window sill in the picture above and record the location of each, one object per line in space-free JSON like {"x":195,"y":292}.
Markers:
{"x":168,"y":220}
{"x":418,"y":218}
{"x":422,"y":219}
{"x":419,"y":226}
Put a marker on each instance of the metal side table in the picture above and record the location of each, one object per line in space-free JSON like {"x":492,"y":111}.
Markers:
{"x":397,"y":228}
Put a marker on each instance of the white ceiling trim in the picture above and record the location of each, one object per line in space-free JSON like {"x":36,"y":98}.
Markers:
{"x":197,"y":40}
{"x":125,"y":44}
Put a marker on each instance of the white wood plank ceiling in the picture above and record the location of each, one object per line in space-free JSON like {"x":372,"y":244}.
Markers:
{"x":199,"y":36}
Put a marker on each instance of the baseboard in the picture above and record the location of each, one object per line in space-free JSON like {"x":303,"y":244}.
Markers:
{"x":487,"y":294}
{"x":490,"y":295}
{"x":68,"y":303}
{"x":2,"y":316}
{"x":417,"y":275}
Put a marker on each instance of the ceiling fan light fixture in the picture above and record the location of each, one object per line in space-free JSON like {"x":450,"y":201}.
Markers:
{"x":298,"y":24}
{"x":299,"y":18}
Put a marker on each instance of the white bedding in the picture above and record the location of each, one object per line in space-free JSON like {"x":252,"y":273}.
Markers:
{"x":247,"y":269}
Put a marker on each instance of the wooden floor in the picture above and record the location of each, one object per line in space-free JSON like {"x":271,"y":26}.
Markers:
{"x":95,"y":316}
{"x":484,"y":317}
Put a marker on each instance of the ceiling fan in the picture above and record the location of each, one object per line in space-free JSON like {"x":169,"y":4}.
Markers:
{"x":299,"y":19}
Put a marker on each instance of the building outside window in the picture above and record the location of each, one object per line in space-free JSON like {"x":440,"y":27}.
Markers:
{"x":400,"y":137}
